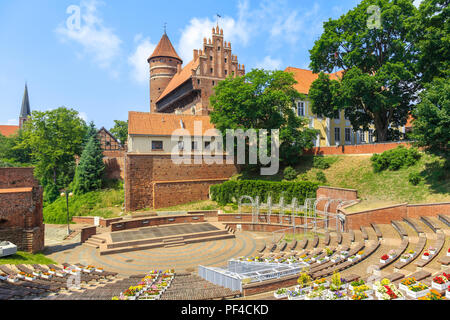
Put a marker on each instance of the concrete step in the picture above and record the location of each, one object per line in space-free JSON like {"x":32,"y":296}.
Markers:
{"x":93,"y":245}
{"x":177,"y":244}
{"x":175,"y":239}
{"x":98,"y":239}
{"x":95,"y":241}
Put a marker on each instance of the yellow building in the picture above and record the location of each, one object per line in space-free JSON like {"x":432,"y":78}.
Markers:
{"x":332,"y":131}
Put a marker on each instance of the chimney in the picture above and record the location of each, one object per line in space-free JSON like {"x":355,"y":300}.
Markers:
{"x":178,"y":67}
{"x":195,"y":54}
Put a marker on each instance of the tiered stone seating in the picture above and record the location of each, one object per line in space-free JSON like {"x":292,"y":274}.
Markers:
{"x":377,"y":231}
{"x":433,"y":226}
{"x":364,"y":233}
{"x":445,"y":219}
{"x":397,"y":225}
{"x":414,"y":225}
{"x":193,"y":287}
{"x":439,"y":244}
{"x":418,"y":249}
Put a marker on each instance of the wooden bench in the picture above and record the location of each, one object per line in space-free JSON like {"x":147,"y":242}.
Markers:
{"x":364,"y":233}
{"x":445,"y":260}
{"x":293,"y":245}
{"x":399,"y":251}
{"x":438,"y":246}
{"x":262,"y":248}
{"x":395,"y":276}
{"x":445,"y":219}
{"x":327,"y":239}
{"x":315,"y":242}
{"x":352,"y":236}
{"x":399,"y":228}
{"x":430,"y":223}
{"x":303,"y":244}
{"x":418,"y":229}
{"x":377,"y":230}
{"x":282,"y":246}
{"x":418,"y":249}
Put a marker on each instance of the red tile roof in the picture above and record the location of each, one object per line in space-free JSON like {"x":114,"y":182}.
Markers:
{"x":165,"y":49}
{"x":8,"y":130}
{"x":180,"y":78}
{"x":164,"y":124}
{"x":306,"y":77}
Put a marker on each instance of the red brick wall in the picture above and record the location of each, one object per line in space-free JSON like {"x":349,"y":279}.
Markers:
{"x":334,"y":193}
{"x":88,"y":232}
{"x":21,"y":217}
{"x":398,"y":212}
{"x":90,"y":220}
{"x":114,"y":164}
{"x":356,"y":149}
{"x":154,"y":181}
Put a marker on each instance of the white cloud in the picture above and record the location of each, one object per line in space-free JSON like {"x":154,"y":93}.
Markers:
{"x":83,"y":115}
{"x":10,"y":122}
{"x":97,"y":41}
{"x":138,"y":60}
{"x":235,"y":30}
{"x":269,"y":64}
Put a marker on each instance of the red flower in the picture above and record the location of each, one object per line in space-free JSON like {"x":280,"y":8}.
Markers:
{"x":385,"y":257}
{"x":426,"y":254}
{"x":439,"y":280}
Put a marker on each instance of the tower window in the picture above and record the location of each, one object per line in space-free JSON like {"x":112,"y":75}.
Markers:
{"x":198,"y":81}
{"x":214,"y":83}
{"x":211,"y":58}
{"x":212,"y":70}
{"x":218,"y":48}
{"x":226,"y":72}
{"x":226,"y":60}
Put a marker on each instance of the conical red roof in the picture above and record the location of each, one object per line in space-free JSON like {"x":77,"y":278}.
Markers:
{"x":165,"y":49}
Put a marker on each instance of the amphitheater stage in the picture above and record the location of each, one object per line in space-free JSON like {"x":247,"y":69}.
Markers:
{"x":161,"y":236}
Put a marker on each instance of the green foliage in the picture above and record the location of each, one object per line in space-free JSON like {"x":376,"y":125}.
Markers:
{"x":88,"y":174}
{"x":96,"y":203}
{"x":431,"y":125}
{"x":414,"y":178}
{"x":54,"y":137}
{"x":13,"y":152}
{"x":432,"y":31}
{"x":289,"y":173}
{"x":379,"y":75}
{"x":120,"y":130}
{"x":320,"y":176}
{"x":21,"y":257}
{"x":395,"y":159}
{"x":323,"y":162}
{"x":231,"y":191}
{"x":263,"y":100}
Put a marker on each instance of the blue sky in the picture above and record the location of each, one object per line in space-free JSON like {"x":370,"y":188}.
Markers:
{"x":100,"y":68}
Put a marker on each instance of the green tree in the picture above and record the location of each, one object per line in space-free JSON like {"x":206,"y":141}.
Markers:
{"x":88,"y":174}
{"x":54,"y":137}
{"x":431,"y":124}
{"x":432,"y":31}
{"x":263,"y":100}
{"x":378,"y":84}
{"x":120,"y":130}
{"x":12,"y":151}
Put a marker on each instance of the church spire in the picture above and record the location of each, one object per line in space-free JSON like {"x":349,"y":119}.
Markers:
{"x":25,"y":111}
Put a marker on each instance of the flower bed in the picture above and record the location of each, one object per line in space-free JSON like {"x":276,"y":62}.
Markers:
{"x":321,"y":283}
{"x":385,"y":259}
{"x":427,"y":255}
{"x":432,"y":295}
{"x":448,"y":252}
{"x":441,"y":282}
{"x":344,"y":254}
{"x":417,"y":290}
{"x":336,"y":259}
{"x":336,"y":295}
{"x":356,"y":283}
{"x":353,"y":258}
{"x":297,"y":294}
{"x":406,"y":283}
{"x":447,"y":293}
{"x":281,"y":293}
{"x":361,"y":296}
{"x":385,"y":290}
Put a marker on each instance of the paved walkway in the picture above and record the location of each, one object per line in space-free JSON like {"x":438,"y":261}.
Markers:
{"x":183,"y":258}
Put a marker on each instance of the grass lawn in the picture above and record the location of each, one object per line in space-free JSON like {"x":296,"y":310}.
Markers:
{"x":289,"y":237}
{"x":26,"y":258}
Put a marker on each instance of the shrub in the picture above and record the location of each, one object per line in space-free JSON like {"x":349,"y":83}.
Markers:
{"x":231,"y":191}
{"x":414,"y":178}
{"x":395,"y":159}
{"x":323,"y":162}
{"x":320,"y":176}
{"x":289,"y":173}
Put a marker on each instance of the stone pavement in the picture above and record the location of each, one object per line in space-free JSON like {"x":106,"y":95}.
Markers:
{"x":183,"y":258}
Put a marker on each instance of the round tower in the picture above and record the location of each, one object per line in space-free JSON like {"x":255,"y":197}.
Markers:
{"x":164,"y":65}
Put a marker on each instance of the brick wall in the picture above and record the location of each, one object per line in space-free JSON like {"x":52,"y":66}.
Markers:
{"x":88,"y":232}
{"x":154,"y":181}
{"x":21,"y":217}
{"x":356,"y":149}
{"x":156,"y":221}
{"x":114,"y":164}
{"x":90,"y":220}
{"x":269,"y":285}
{"x":334,"y":193}
{"x":386,"y":214}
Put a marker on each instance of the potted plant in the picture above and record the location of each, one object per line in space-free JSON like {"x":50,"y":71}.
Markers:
{"x":385,"y":290}
{"x":336,"y":295}
{"x":363,"y":288}
{"x":356,"y":283}
{"x":405,"y":258}
{"x":426,"y":255}
{"x":336,"y":258}
{"x":296,"y":295}
{"x":336,"y":282}
{"x":361,"y":296}
{"x":448,"y":252}
{"x":321,"y":282}
{"x":439,"y":283}
{"x":385,"y":259}
{"x":432,"y":250}
{"x":392,"y":254}
{"x":315,"y":294}
{"x":344,"y":254}
{"x":432,"y":295}
{"x":12,"y":279}
{"x":406,"y":283}
{"x":30,"y":277}
{"x":360,"y":254}
{"x":447,"y":293}
{"x":46,"y":275}
{"x":304,"y":282}
{"x":417,"y":290}
{"x":281,"y":293}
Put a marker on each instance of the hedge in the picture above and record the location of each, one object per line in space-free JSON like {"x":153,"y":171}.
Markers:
{"x":231,"y":191}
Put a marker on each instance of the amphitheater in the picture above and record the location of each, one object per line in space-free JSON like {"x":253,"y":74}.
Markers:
{"x":266,"y":263}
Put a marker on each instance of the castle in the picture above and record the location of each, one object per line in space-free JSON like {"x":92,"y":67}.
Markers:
{"x":25,"y":112}
{"x":174,"y":89}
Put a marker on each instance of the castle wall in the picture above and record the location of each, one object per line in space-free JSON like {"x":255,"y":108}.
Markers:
{"x":21,"y":217}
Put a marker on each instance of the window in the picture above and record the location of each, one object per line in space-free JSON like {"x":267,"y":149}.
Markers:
{"x":194,"y":145}
{"x":212,"y":70}
{"x":226,"y":72}
{"x":214,"y":83}
{"x":301,"y":109}
{"x":157,"y":145}
{"x":226,"y":60}
{"x":337,"y":135}
{"x":218,"y":48}
{"x":348,"y":135}
{"x":211,"y":58}
{"x":180,"y":145}
{"x":370,"y":136}
{"x":362,"y":134}
{"x":207,"y":145}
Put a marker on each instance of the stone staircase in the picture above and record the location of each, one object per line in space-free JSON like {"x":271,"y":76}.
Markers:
{"x":95,"y":241}
{"x":174,"y":242}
